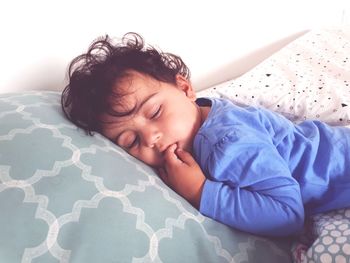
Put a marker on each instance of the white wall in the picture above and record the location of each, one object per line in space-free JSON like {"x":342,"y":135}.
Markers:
{"x":40,"y":37}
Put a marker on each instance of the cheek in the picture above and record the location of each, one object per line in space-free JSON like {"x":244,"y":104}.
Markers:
{"x":180,"y":122}
{"x":148,"y":156}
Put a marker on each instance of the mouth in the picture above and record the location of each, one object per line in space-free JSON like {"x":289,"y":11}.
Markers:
{"x":163,"y":149}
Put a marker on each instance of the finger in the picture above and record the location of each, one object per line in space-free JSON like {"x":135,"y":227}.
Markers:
{"x":171,"y":156}
{"x":185,"y":156}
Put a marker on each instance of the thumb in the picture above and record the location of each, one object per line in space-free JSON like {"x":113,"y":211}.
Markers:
{"x":170,"y":155}
{"x":185,"y":156}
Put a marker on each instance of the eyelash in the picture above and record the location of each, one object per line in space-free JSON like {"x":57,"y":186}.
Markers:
{"x":133,"y":144}
{"x":156,"y":114}
{"x":135,"y":141}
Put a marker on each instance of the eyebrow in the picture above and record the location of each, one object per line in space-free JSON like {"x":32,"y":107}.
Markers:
{"x":135,"y":110}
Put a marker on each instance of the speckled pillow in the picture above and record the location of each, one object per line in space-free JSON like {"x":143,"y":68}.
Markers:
{"x":307,"y":79}
{"x":69,"y":197}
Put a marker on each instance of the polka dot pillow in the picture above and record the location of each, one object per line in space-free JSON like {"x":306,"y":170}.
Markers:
{"x":326,"y":238}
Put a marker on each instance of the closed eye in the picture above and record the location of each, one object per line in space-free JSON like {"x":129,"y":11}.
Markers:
{"x":156,"y":113}
{"x":133,"y":144}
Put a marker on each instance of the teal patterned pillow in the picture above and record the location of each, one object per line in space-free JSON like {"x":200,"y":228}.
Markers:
{"x":68,"y":197}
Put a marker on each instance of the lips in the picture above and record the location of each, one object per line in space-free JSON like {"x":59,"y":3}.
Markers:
{"x":163,"y":149}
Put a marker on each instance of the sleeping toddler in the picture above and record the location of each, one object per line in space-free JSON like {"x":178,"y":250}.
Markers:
{"x":246,"y":167}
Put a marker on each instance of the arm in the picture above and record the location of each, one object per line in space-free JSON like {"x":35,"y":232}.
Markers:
{"x":255,"y":194}
{"x":253,"y":189}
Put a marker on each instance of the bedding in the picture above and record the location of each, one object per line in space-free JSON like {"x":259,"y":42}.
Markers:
{"x":307,"y":79}
{"x":69,"y":197}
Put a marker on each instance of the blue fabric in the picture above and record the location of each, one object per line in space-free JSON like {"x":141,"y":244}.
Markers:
{"x":264,"y":173}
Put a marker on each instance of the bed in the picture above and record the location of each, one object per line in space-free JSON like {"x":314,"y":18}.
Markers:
{"x":68,"y":197}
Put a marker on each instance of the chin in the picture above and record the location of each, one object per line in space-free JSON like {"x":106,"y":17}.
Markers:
{"x":186,"y":147}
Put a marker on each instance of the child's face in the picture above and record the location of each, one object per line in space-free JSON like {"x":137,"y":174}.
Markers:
{"x":166,"y":114}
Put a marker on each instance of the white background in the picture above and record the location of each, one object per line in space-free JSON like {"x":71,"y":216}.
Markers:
{"x":40,"y":37}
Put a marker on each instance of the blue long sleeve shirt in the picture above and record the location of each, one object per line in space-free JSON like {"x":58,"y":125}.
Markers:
{"x":264,"y":173}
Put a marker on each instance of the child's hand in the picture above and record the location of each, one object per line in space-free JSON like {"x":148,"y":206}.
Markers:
{"x":182,"y":173}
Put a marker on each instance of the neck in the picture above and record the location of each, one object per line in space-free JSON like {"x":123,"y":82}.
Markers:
{"x":204,"y":111}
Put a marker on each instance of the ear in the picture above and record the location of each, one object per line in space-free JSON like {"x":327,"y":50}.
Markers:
{"x":185,"y":85}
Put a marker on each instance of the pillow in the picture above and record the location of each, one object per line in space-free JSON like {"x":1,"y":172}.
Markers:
{"x":307,"y":79}
{"x":69,"y":197}
{"x":332,"y":242}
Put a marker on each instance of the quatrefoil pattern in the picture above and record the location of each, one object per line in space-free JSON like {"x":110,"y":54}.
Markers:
{"x":69,"y":197}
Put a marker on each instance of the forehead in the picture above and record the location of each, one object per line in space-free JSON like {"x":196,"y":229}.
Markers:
{"x":128,"y":94}
{"x":134,"y":88}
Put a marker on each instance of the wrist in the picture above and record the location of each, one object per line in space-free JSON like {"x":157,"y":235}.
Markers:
{"x":195,"y":199}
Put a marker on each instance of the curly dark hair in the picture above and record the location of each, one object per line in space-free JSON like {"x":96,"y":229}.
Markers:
{"x":95,"y":75}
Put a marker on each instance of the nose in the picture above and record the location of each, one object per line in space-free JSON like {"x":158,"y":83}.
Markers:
{"x":151,"y":137}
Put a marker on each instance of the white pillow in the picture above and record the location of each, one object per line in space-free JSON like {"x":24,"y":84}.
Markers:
{"x":307,"y":79}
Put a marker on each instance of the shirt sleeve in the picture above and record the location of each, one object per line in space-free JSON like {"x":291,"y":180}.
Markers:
{"x":250,"y":188}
